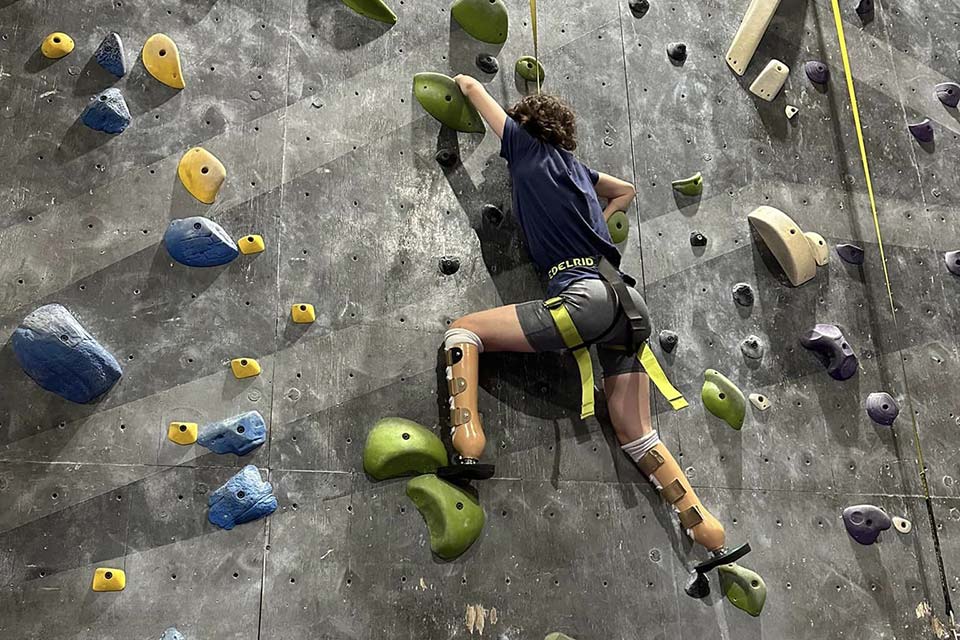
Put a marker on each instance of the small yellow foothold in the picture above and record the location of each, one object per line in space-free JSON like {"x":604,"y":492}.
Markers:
{"x":162,"y":60}
{"x":201,"y":174}
{"x":182,"y":432}
{"x":106,"y":579}
{"x":56,"y":45}
{"x":245,"y":367}
{"x":303,"y":313}
{"x":251,"y":244}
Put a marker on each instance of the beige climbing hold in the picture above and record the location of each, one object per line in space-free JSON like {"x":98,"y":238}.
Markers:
{"x":770,"y":81}
{"x":56,"y":45}
{"x":760,"y":401}
{"x":821,"y":252}
{"x":751,"y":30}
{"x":791,"y":248}
{"x":162,"y":60}
{"x":201,"y":174}
{"x":791,"y":111}
{"x":902,"y":524}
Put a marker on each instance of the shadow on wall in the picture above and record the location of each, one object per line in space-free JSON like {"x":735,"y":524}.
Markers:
{"x":342,"y":26}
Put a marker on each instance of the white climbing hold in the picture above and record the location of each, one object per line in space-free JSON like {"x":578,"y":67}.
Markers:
{"x":902,"y":524}
{"x":760,"y":401}
{"x":791,"y":111}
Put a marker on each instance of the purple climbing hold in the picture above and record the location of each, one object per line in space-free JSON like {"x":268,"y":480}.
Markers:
{"x":677,"y":51}
{"x":864,"y":522}
{"x":492,"y":214}
{"x":827,"y":341}
{"x":864,"y":7}
{"x":952,"y":258}
{"x":817,"y":71}
{"x":922,"y":131}
{"x":882,"y":408}
{"x":850,"y":253}
{"x":110,"y":56}
{"x":107,"y":111}
{"x":243,"y":498}
{"x":948,"y":93}
{"x":487,"y":63}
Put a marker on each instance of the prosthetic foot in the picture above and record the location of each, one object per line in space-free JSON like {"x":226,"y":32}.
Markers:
{"x":463,"y":360}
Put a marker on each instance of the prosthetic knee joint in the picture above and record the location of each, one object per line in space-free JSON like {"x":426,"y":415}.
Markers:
{"x":463,"y":348}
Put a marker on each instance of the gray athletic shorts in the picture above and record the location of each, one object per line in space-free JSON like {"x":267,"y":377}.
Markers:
{"x":594,"y":311}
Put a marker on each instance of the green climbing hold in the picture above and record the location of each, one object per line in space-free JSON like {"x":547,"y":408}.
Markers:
{"x":528,"y":67}
{"x":618,"y":225}
{"x":744,"y":588}
{"x":485,"y":20}
{"x":399,"y":447}
{"x":442,"y":99}
{"x":692,"y":186}
{"x":723,"y":399}
{"x":374,"y":9}
{"x":453,"y":516}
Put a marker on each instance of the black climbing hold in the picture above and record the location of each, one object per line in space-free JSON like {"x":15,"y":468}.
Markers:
{"x":668,"y":340}
{"x":864,"y":7}
{"x":487,"y":63}
{"x":948,"y":93}
{"x":832,"y":349}
{"x":492,"y":214}
{"x":751,"y":347}
{"x":922,"y":131}
{"x":449,"y":265}
{"x":850,"y":253}
{"x":864,"y":522}
{"x":639,"y":8}
{"x":952,"y":258}
{"x":697,"y":239}
{"x":882,"y":408}
{"x":698,"y":586}
{"x":743,"y":294}
{"x":817,"y":71}
{"x":677,"y":51}
{"x":447,"y":158}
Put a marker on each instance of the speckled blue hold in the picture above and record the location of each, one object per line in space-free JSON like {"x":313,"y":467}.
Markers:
{"x":107,"y":111}
{"x":172,"y":634}
{"x":110,"y":56}
{"x":57,"y":352}
{"x":199,"y":242}
{"x":239,"y":435}
{"x":243,"y":498}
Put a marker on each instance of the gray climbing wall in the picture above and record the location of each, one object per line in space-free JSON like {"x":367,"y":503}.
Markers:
{"x":330,"y":158}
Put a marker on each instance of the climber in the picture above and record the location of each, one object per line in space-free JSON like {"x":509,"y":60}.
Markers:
{"x":556,"y":200}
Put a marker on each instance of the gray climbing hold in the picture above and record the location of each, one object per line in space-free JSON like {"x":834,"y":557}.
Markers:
{"x":110,"y":55}
{"x":833,"y":350}
{"x":677,"y":51}
{"x":948,"y":93}
{"x":864,"y":522}
{"x":639,"y":8}
{"x":238,"y":435}
{"x":172,"y":634}
{"x":760,"y":401}
{"x":882,"y":408}
{"x":243,"y":498}
{"x":952,"y":259}
{"x":751,"y":347}
{"x":487,"y":63}
{"x":816,"y":71}
{"x":864,"y":7}
{"x":449,"y":265}
{"x":922,"y":131}
{"x":107,"y":111}
{"x":668,"y":340}
{"x":199,"y":242}
{"x":697,"y":239}
{"x":59,"y":355}
{"x":902,"y":525}
{"x":492,"y":214}
{"x":743,"y":294}
{"x":850,"y":253}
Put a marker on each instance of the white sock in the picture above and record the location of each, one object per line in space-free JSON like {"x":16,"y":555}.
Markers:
{"x":640,"y":446}
{"x":456,"y":336}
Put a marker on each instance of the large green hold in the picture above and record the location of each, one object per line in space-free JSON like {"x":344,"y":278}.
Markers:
{"x":528,"y":67}
{"x":399,"y":447}
{"x":375,"y":9}
{"x":453,"y":516}
{"x":743,"y":587}
{"x":442,"y":99}
{"x":723,"y":399}
{"x":618,"y":224}
{"x":692,"y":186}
{"x":485,"y":20}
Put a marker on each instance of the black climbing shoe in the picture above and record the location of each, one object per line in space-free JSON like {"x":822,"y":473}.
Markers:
{"x":699,"y":586}
{"x":462,"y":471}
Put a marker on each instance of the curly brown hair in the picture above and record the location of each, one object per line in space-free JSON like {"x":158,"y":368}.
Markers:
{"x":547,"y":118}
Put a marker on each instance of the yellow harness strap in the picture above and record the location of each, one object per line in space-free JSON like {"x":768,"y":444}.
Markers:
{"x":573,"y":341}
{"x":652,"y":366}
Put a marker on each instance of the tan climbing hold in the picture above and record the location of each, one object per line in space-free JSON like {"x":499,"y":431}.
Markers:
{"x":56,"y":45}
{"x":821,"y":252}
{"x":770,"y":81}
{"x":201,"y":174}
{"x":791,"y":247}
{"x":754,"y":25}
{"x":162,"y":60}
{"x":790,"y":111}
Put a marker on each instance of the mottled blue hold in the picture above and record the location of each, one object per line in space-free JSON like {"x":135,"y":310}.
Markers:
{"x":109,"y":55}
{"x":107,"y":111}
{"x":172,"y":634}
{"x":239,"y":435}
{"x":922,"y":131}
{"x":816,"y":71}
{"x":864,"y":522}
{"x":57,"y":352}
{"x":948,"y":93}
{"x":199,"y":242}
{"x":243,"y":498}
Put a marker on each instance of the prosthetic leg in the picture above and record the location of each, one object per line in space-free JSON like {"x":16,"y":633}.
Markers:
{"x":463,"y":348}
{"x":659,"y":466}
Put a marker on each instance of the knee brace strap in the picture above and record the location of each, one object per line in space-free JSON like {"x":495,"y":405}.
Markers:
{"x":650,"y":462}
{"x":459,"y":416}
{"x":673,"y":492}
{"x":691,"y":517}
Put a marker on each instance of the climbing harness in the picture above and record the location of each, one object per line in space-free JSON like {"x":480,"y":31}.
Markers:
{"x":639,"y":326}
{"x":921,"y":466}
{"x":536,"y":44}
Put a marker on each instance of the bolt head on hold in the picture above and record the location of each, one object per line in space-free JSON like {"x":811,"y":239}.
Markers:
{"x":816,"y":71}
{"x":922,"y":131}
{"x":850,"y":253}
{"x":882,"y":408}
{"x":697,"y":239}
{"x":487,"y":63}
{"x":865,"y":522}
{"x":677,"y":51}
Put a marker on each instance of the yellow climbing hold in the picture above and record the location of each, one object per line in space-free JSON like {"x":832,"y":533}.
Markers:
{"x":245,"y":367}
{"x":56,"y":45}
{"x":251,"y":244}
{"x":162,"y":60}
{"x":303,"y":313}
{"x":182,"y":432}
{"x":106,"y":579}
{"x":201,"y":174}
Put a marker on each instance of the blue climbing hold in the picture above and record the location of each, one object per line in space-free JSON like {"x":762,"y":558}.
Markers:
{"x":172,"y":634}
{"x":199,"y":242}
{"x":107,"y":111}
{"x":243,"y":498}
{"x":109,"y":55}
{"x":240,"y":434}
{"x":57,"y":352}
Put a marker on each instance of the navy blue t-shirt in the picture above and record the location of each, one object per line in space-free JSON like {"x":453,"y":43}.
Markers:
{"x":557,"y":206}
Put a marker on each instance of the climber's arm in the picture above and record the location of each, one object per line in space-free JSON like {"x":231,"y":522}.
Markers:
{"x":619,"y":193}
{"x":489,"y":109}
